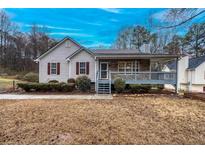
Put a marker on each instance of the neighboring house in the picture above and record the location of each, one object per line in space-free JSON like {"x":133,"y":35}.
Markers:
{"x":191,"y":73}
{"x":69,"y":59}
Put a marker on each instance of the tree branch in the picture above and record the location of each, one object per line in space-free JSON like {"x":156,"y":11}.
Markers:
{"x":183,"y":22}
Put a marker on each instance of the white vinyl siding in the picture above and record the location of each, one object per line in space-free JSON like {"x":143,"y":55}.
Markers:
{"x":57,"y":55}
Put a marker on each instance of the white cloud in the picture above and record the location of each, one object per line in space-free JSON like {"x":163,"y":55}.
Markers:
{"x":114,"y":20}
{"x":98,"y":45}
{"x":160,"y":15}
{"x":111,"y":10}
{"x":53,"y":27}
{"x":71,"y":34}
{"x":92,"y":23}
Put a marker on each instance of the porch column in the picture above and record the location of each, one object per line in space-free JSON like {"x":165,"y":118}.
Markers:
{"x":96,"y":73}
{"x":177,"y":76}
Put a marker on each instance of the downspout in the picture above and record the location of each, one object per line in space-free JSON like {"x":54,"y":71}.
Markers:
{"x":177,"y":76}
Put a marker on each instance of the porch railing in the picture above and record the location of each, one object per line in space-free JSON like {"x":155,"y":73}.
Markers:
{"x":145,"y":77}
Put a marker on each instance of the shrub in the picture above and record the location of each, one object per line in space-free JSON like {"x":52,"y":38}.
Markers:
{"x":53,"y":81}
{"x":31,"y":77}
{"x":83,"y":83}
{"x":135,"y":88}
{"x":119,"y":85}
{"x":71,"y":80}
{"x":46,"y":87}
{"x":160,"y":87}
{"x":19,"y":77}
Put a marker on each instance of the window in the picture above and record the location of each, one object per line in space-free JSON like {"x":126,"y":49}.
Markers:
{"x":53,"y":68}
{"x":129,"y":66}
{"x":121,"y":67}
{"x":137,"y":66}
{"x":82,"y":68}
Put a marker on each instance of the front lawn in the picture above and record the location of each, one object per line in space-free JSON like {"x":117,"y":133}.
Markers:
{"x":123,"y":120}
{"x":7,"y":83}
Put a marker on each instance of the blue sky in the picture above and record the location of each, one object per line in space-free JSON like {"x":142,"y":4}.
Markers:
{"x":90,"y":27}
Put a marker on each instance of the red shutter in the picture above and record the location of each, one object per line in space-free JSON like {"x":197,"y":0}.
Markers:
{"x":87,"y":68}
{"x":58,"y":68}
{"x":49,"y":68}
{"x":77,"y":68}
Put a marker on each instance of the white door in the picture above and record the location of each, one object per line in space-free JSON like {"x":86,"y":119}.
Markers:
{"x":104,"y":70}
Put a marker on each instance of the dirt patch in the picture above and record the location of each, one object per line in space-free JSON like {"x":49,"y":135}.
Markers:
{"x":123,"y":120}
{"x":196,"y":96}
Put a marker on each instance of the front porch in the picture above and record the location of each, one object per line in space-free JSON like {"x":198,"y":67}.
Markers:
{"x":134,"y":71}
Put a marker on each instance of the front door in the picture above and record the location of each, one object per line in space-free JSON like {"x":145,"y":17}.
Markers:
{"x":104,"y":70}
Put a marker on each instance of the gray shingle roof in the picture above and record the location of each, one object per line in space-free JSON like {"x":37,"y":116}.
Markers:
{"x":195,"y":62}
{"x":115,"y":51}
{"x":172,"y":65}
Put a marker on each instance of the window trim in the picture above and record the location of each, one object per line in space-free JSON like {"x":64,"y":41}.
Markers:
{"x":107,"y":70}
{"x":84,"y":66}
{"x":135,"y":65}
{"x":52,"y":68}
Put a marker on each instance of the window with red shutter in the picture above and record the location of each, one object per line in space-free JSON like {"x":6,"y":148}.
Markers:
{"x":87,"y":68}
{"x":77,"y":68}
{"x":49,"y":68}
{"x":58,"y":68}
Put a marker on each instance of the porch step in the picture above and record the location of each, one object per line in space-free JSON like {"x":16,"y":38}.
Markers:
{"x":104,"y":87}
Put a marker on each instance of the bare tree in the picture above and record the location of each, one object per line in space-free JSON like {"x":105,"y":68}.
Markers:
{"x":180,"y":16}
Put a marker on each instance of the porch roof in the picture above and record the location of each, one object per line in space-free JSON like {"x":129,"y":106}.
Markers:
{"x":128,"y":53}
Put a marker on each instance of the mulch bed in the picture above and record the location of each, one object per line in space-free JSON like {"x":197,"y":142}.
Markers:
{"x":197,"y":96}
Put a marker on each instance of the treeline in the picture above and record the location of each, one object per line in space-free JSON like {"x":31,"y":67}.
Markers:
{"x":165,"y":38}
{"x":193,"y":42}
{"x":18,"y":49}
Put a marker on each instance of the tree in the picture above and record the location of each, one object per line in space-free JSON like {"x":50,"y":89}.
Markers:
{"x":180,"y":16}
{"x":175,"y":46}
{"x":5,"y":28}
{"x":132,"y":37}
{"x":195,"y":39}
{"x":18,"y":49}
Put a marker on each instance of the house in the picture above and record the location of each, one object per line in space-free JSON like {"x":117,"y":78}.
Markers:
{"x":191,"y":73}
{"x":69,"y":59}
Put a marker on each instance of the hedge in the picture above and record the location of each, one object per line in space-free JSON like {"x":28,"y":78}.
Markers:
{"x":47,"y":87}
{"x":136,"y":88}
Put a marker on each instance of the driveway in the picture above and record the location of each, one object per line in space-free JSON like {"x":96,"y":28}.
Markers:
{"x":23,"y":96}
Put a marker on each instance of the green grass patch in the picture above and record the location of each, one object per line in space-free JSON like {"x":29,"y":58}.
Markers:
{"x":7,"y":83}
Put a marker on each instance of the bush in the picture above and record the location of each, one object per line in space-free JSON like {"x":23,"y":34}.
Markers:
{"x":83,"y":83}
{"x":160,"y":87}
{"x":119,"y":85}
{"x":46,"y":87}
{"x":31,"y":77}
{"x":53,"y":81}
{"x":71,"y":80}
{"x":135,"y":88}
{"x":19,"y":77}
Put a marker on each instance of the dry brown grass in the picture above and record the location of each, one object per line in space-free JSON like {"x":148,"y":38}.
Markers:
{"x":124,"y":120}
